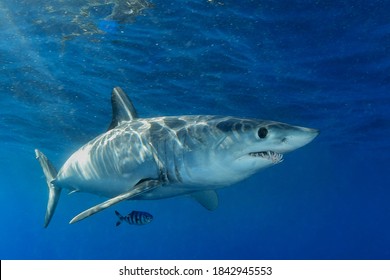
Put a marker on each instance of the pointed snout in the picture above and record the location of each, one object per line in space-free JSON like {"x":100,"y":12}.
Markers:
{"x":309,"y":133}
{"x":294,"y":137}
{"x":301,"y":136}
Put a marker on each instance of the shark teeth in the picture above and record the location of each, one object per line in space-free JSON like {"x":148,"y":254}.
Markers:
{"x":270,"y":155}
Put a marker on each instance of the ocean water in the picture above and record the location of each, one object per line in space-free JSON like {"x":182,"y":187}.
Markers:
{"x":320,"y":64}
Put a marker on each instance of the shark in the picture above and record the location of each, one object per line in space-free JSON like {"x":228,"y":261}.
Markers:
{"x":168,"y":156}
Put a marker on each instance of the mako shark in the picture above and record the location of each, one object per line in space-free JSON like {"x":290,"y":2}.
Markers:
{"x":162,"y":157}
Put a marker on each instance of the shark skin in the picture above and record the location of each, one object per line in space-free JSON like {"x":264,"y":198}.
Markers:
{"x":163,"y":157}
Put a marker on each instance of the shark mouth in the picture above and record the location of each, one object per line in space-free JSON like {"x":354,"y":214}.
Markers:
{"x":269,"y":155}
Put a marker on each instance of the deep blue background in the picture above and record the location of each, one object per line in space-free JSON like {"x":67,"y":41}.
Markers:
{"x":320,"y":64}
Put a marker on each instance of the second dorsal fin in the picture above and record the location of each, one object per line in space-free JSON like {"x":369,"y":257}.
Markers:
{"x":122,"y":108}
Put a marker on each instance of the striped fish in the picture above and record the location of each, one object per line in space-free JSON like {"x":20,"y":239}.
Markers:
{"x":134,"y":218}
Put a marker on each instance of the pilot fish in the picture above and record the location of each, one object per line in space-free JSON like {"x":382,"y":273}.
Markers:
{"x":134,"y":218}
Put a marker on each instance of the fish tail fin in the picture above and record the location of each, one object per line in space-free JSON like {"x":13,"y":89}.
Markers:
{"x":120,"y":218}
{"x":54,"y":192}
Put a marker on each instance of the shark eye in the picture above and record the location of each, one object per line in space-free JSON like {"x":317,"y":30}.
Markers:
{"x":262,"y":132}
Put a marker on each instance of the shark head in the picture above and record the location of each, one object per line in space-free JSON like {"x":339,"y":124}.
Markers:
{"x":237,"y":148}
{"x":260,"y":144}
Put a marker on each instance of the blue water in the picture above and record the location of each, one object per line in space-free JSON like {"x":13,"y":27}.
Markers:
{"x":320,"y":64}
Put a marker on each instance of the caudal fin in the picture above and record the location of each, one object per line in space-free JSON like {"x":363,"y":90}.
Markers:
{"x":54,"y":192}
{"x":120,"y":218}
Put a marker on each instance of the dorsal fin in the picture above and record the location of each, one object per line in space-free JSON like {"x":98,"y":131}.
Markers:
{"x":122,"y":108}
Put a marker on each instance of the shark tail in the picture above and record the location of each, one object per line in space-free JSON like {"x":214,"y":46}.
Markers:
{"x":120,"y":218}
{"x":54,"y":192}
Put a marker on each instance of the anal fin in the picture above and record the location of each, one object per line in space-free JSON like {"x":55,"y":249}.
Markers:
{"x":141,"y":188}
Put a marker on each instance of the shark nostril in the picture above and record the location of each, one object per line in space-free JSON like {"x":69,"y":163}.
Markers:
{"x":284,"y":140}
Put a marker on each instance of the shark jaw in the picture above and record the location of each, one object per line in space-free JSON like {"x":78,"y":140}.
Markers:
{"x":272,"y":156}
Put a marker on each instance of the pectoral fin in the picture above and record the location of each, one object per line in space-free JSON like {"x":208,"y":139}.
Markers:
{"x":208,"y":199}
{"x":141,"y":188}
